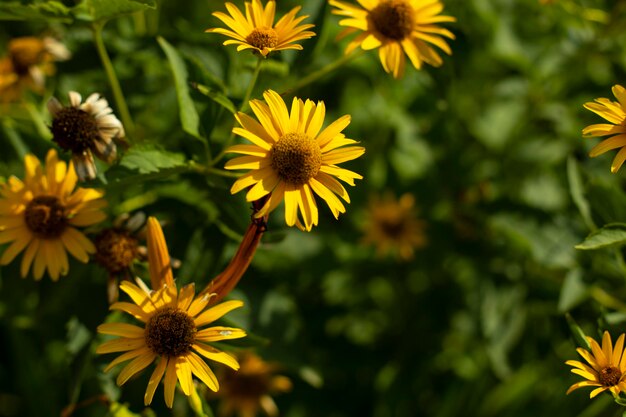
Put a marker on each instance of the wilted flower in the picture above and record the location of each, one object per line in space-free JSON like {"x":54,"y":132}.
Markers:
{"x":83,"y":128}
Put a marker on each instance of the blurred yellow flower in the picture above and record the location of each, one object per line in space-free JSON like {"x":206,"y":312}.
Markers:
{"x":249,"y":390}
{"x":607,"y":366}
{"x":615,"y":113}
{"x":291,"y":159}
{"x":396,"y":27}
{"x":392,"y":226}
{"x":40,"y":216}
{"x":172,"y":330}
{"x":84,"y":128}
{"x":28,"y":62}
{"x":256,"y":30}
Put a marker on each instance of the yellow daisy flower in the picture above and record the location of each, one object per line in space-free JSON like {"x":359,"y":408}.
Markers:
{"x":249,"y":390}
{"x":173,"y":329}
{"x":606,"y":369}
{"x":41,"y":214}
{"x":392,"y":226}
{"x":396,"y":27}
{"x":28,"y":62}
{"x":291,"y":159}
{"x":615,"y":113}
{"x":256,"y":30}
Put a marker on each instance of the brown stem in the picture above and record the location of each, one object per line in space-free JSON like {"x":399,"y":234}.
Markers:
{"x":227,"y":280}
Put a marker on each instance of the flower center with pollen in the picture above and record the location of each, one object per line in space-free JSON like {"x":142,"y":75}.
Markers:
{"x":45,"y":216}
{"x":609,"y":376}
{"x":296,"y":158}
{"x":263,"y":38}
{"x":393,"y":19}
{"x":170,"y":332}
{"x":74,"y":130}
{"x":116,"y":249}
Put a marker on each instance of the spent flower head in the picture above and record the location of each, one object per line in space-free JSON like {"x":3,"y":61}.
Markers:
{"x":84,"y":129}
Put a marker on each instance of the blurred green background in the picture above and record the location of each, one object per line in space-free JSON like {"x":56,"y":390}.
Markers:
{"x":489,"y":144}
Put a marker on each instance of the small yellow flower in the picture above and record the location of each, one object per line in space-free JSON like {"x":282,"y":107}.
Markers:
{"x":86,"y":128}
{"x":249,"y":390}
{"x":173,"y":329}
{"x":41,"y":214}
{"x":256,"y":30}
{"x":392,"y":226}
{"x":291,"y":158}
{"x":29,"y":61}
{"x":615,"y":113}
{"x":606,"y":369}
{"x":396,"y":28}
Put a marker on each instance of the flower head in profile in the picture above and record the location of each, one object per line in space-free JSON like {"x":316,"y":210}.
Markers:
{"x":606,"y":366}
{"x":29,"y":60}
{"x":292,"y":158}
{"x":396,"y":28}
{"x":392,"y":226}
{"x":172,"y":329}
{"x":249,"y":390}
{"x":257,"y":31}
{"x":615,"y":114}
{"x":41,"y":216}
{"x":85,"y":129}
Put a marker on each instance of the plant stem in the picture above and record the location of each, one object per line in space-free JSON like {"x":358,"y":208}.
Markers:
{"x":242,"y":107}
{"x":113,"y":81}
{"x":314,"y":76}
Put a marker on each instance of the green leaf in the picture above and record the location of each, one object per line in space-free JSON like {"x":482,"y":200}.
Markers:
{"x":573,"y":291}
{"x":147,"y":159}
{"x":121,"y":410}
{"x":577,"y":332}
{"x":607,"y":235}
{"x":42,"y":11}
{"x":216,"y":96}
{"x":577,"y":192}
{"x":103,"y":10}
{"x":189,"y":118}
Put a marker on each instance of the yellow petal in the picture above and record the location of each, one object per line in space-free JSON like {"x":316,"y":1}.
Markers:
{"x":158,"y":257}
{"x":216,"y":312}
{"x":155,"y":378}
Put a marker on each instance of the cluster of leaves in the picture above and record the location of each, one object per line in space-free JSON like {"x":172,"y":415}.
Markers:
{"x":523,"y":227}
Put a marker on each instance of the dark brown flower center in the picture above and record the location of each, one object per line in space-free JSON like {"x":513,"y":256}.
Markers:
{"x":393,"y":19}
{"x":609,"y":376}
{"x":45,"y":216}
{"x":393,"y":227}
{"x":296,"y":158}
{"x":116,"y":249}
{"x":246,"y":384}
{"x":263,"y":38}
{"x":170,"y":332}
{"x":74,"y":130}
{"x":25,"y":53}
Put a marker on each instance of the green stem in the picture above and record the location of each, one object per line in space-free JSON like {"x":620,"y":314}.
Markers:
{"x":314,"y":76}
{"x":113,"y":81}
{"x":202,"y":169}
{"x":35,"y":116}
{"x":242,"y":107}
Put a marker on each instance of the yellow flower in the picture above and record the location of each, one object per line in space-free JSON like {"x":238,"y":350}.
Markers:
{"x":256,"y":30}
{"x":249,"y":390}
{"x":29,"y":61}
{"x":392,"y":226}
{"x":607,"y":366}
{"x":396,"y":27}
{"x":173,"y":328}
{"x":86,"y":128}
{"x":291,"y":159}
{"x":615,"y":113}
{"x":41,"y":214}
